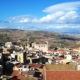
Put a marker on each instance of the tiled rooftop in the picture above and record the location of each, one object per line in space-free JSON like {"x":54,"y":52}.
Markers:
{"x":35,"y":65}
{"x":62,"y":75}
{"x":18,"y":66}
{"x":6,"y":52}
{"x":18,"y":74}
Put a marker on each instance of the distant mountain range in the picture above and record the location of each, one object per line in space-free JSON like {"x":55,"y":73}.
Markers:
{"x":71,"y":31}
{"x":54,"y":39}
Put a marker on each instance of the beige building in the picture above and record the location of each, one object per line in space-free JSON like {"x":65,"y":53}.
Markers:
{"x":41,"y":45}
{"x":8,"y":44}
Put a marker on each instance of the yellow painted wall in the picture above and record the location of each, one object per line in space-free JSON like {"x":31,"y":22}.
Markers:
{"x":20,"y":57}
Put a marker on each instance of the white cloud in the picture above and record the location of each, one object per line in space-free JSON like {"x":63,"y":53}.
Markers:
{"x":65,"y":13}
{"x":22,"y":19}
{"x":71,"y":17}
{"x":60,"y":16}
{"x":51,"y":18}
{"x":69,"y":6}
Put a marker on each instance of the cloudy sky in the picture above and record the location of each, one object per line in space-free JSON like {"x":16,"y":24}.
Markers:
{"x":48,"y":15}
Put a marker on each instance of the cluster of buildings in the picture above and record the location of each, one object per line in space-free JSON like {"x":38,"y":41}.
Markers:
{"x":34,"y":61}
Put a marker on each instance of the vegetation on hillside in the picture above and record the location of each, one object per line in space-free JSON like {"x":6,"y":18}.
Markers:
{"x":54,"y":39}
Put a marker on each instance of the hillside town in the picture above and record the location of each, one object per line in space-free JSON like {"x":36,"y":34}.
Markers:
{"x":35,"y":61}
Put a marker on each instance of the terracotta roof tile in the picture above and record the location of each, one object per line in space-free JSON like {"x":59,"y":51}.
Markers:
{"x":35,"y":65}
{"x":62,"y":75}
{"x":61,"y":51}
{"x":23,"y":73}
{"x":78,"y":59}
{"x":18,"y":66}
{"x":15,"y":73}
{"x":20,"y":76}
{"x":6,"y":52}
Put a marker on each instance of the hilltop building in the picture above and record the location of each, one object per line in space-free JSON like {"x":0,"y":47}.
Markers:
{"x":41,"y":45}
